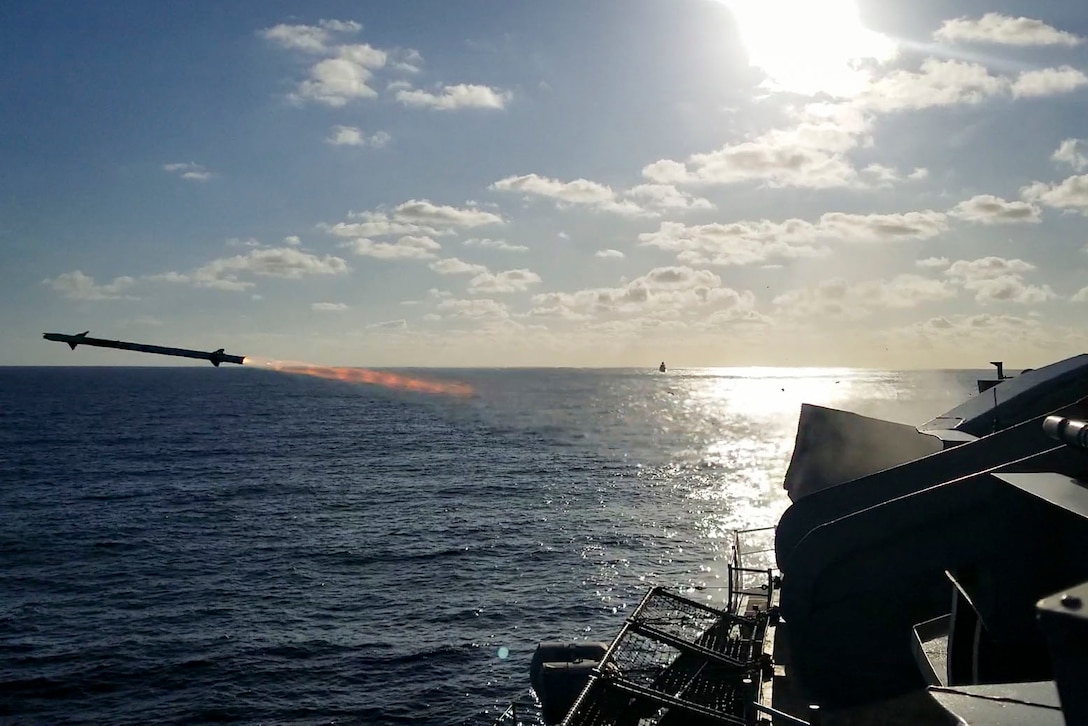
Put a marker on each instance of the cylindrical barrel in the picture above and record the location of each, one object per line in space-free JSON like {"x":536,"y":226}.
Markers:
{"x":1069,"y":431}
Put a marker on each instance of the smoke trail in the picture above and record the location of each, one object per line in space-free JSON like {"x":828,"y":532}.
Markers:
{"x":361,"y":375}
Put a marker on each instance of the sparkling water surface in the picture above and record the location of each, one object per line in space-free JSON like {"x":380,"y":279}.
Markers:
{"x":198,"y":545}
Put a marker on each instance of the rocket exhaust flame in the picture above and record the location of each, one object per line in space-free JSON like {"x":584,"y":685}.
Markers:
{"x":215,"y":357}
{"x":362,"y":375}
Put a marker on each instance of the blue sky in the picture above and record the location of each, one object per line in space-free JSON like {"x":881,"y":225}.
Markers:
{"x":492,"y":183}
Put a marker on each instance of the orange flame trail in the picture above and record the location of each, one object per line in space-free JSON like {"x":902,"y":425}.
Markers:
{"x":362,"y":375}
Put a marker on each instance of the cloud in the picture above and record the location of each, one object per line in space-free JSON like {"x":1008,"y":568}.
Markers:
{"x":814,"y":153}
{"x":408,"y":247}
{"x":733,"y":244}
{"x":352,"y":136}
{"x":838,"y":298}
{"x":496,"y":244}
{"x":1005,"y":30}
{"x":283,"y":262}
{"x":189,"y":171}
{"x":666,"y":197}
{"x":811,"y":154}
{"x":345,"y":71}
{"x":577,"y":192}
{"x":345,"y":77}
{"x":479,"y":308}
{"x":454,"y":266}
{"x":389,"y":325}
{"x":754,"y":242}
{"x":407,"y":60}
{"x":996,"y":279}
{"x":247,"y":242}
{"x":328,"y":307}
{"x":462,"y":95}
{"x":509,"y":281}
{"x":309,"y":38}
{"x":664,"y":291}
{"x":292,"y":240}
{"x":77,"y":286}
{"x":937,"y":83}
{"x":881,"y":227}
{"x":1080,"y":295}
{"x":1070,"y":193}
{"x":987,"y":268}
{"x":608,"y":254}
{"x":1009,"y":289}
{"x":1048,"y":81}
{"x":1071,"y":152}
{"x":988,"y":209}
{"x":420,"y":217}
{"x":933,"y":262}
{"x":424,"y":212}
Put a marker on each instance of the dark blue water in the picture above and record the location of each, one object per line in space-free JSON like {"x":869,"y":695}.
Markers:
{"x":193,"y":545}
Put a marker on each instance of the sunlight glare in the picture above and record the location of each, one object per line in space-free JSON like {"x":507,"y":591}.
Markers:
{"x":810,"y":46}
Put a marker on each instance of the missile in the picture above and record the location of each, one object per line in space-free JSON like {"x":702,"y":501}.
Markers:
{"x":216,"y":356}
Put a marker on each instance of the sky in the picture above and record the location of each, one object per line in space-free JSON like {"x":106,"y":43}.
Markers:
{"x":881,"y":183}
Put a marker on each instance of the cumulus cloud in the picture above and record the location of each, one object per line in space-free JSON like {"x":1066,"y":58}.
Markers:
{"x":1048,"y":81}
{"x":1005,"y":30}
{"x":811,"y":154}
{"x":608,"y":254}
{"x":759,"y":242}
{"x":988,"y":209}
{"x":344,"y":71}
{"x":882,"y":227}
{"x":987,"y":268}
{"x":328,"y":307}
{"x":733,"y":244}
{"x":408,"y":247}
{"x":352,"y":136}
{"x":936,"y":83}
{"x":424,"y":212}
{"x":1010,"y":289}
{"x":455,"y":266}
{"x":1070,"y":193}
{"x":666,"y":197}
{"x":839,"y":298}
{"x":1080,"y":295}
{"x":478,"y":308}
{"x":1071,"y":152}
{"x":76,"y":285}
{"x":933,"y":262}
{"x":996,"y":279}
{"x":309,"y":38}
{"x":662,"y":291}
{"x":284,"y":262}
{"x":509,"y":281}
{"x":345,"y":77}
{"x":581,"y":192}
{"x":189,"y":171}
{"x":462,"y":95}
{"x":495,"y":244}
{"x":416,"y":216}
{"x":389,"y":325}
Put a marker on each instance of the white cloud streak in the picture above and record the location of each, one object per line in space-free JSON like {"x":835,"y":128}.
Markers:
{"x":1005,"y":30}
{"x":449,"y":98}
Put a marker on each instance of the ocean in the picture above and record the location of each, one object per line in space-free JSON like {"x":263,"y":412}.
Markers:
{"x":200,"y":545}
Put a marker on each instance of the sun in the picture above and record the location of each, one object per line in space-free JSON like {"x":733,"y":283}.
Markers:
{"x":810,"y":46}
